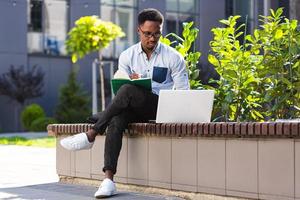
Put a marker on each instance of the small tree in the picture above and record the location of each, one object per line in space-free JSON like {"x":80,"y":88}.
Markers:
{"x":20,"y":85}
{"x":92,"y":34}
{"x":73,"y":104}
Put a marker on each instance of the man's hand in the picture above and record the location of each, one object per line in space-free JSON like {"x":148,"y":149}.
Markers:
{"x":134,"y":76}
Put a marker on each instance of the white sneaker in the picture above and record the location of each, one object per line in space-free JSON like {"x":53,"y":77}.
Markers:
{"x":106,"y":189}
{"x":76,"y":142}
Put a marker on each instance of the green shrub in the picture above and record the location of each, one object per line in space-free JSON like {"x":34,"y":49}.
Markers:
{"x":260,"y":77}
{"x":40,"y":124}
{"x":31,"y":113}
{"x":73,"y":104}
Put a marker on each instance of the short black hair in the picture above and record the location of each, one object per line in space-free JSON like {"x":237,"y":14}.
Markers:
{"x":150,"y":14}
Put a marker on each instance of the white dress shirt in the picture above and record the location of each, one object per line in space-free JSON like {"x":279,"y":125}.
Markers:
{"x":166,"y":67}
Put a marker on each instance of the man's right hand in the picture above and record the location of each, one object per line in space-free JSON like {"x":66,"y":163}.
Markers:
{"x":134,"y":76}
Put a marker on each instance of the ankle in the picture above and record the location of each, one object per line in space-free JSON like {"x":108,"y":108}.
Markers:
{"x":109,"y":175}
{"x":91,"y":137}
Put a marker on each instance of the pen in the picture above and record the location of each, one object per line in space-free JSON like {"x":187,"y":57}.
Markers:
{"x":132,"y":71}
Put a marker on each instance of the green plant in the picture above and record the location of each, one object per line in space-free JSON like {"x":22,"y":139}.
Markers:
{"x":31,"y":113}
{"x":260,"y":77}
{"x":237,"y":98}
{"x":41,"y":123}
{"x":92,"y":34}
{"x":184,"y":44}
{"x":280,"y":47}
{"x":73,"y":104}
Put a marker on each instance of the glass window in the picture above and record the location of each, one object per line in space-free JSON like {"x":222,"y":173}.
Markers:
{"x":107,"y":2}
{"x":53,"y":19}
{"x":172,"y":5}
{"x":129,"y":3}
{"x":122,"y":13}
{"x":171,"y":23}
{"x":35,"y":15}
{"x":187,"y":6}
{"x":55,"y":26}
{"x":245,"y":9}
{"x":179,"y":11}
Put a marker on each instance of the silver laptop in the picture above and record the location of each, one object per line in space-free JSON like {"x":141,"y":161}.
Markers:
{"x":184,"y":106}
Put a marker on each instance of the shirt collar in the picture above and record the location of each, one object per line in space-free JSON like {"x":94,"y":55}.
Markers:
{"x":156,"y":50}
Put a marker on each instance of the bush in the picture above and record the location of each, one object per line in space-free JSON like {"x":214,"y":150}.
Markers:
{"x":40,"y":124}
{"x":31,"y":113}
{"x":73,"y":104}
{"x":260,"y":76}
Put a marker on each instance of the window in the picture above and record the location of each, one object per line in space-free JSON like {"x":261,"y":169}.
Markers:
{"x":249,"y":11}
{"x":179,"y":11}
{"x":35,"y":16}
{"x":122,"y":13}
{"x":48,"y":26}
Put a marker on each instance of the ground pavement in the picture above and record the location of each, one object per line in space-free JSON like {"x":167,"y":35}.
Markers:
{"x":28,"y":173}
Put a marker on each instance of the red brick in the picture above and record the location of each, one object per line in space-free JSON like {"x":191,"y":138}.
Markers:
{"x":279,"y":128}
{"x":163,"y":129}
{"x":178,"y":130}
{"x":212,"y":129}
{"x":206,"y":129}
{"x":230,"y":128}
{"x":287,"y":129}
{"x":218,"y":128}
{"x":145,"y":129}
{"x":224,"y":129}
{"x":200,"y":129}
{"x":168,"y":129}
{"x":264,"y":129}
{"x":237,"y":128}
{"x":250,"y":128}
{"x":173,"y":129}
{"x":244,"y":128}
{"x":272,"y":128}
{"x":157,"y":129}
{"x":257,"y":129}
{"x":294,"y":129}
{"x":189,"y":129}
{"x":194,"y":129}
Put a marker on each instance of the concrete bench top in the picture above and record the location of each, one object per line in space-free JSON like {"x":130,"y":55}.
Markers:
{"x":213,"y":129}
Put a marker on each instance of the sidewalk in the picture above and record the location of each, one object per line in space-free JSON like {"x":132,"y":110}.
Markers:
{"x":28,"y":173}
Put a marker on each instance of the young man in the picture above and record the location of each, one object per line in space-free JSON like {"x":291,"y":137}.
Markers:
{"x":148,"y":58}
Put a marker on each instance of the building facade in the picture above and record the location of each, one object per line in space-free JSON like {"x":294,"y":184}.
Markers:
{"x":33,"y":32}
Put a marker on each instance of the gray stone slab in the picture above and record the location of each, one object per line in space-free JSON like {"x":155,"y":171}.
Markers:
{"x":28,"y":173}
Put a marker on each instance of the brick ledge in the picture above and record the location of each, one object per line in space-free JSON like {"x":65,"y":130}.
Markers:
{"x":213,"y":129}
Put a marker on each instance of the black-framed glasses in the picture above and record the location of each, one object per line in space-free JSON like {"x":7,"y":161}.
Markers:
{"x":149,"y":34}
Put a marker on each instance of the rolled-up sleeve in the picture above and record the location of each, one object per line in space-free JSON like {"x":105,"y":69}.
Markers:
{"x":180,"y":75}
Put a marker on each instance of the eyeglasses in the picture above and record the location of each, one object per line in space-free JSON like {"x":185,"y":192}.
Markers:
{"x":149,"y":34}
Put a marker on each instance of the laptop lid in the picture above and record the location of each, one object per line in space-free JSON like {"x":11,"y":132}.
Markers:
{"x":184,"y":106}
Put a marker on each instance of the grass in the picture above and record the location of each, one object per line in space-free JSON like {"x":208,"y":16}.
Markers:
{"x":37,"y":142}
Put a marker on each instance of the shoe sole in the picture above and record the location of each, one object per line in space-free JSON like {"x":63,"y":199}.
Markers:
{"x":105,"y":196}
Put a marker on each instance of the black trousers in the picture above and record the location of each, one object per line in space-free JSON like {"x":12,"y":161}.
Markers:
{"x":131,"y":104}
